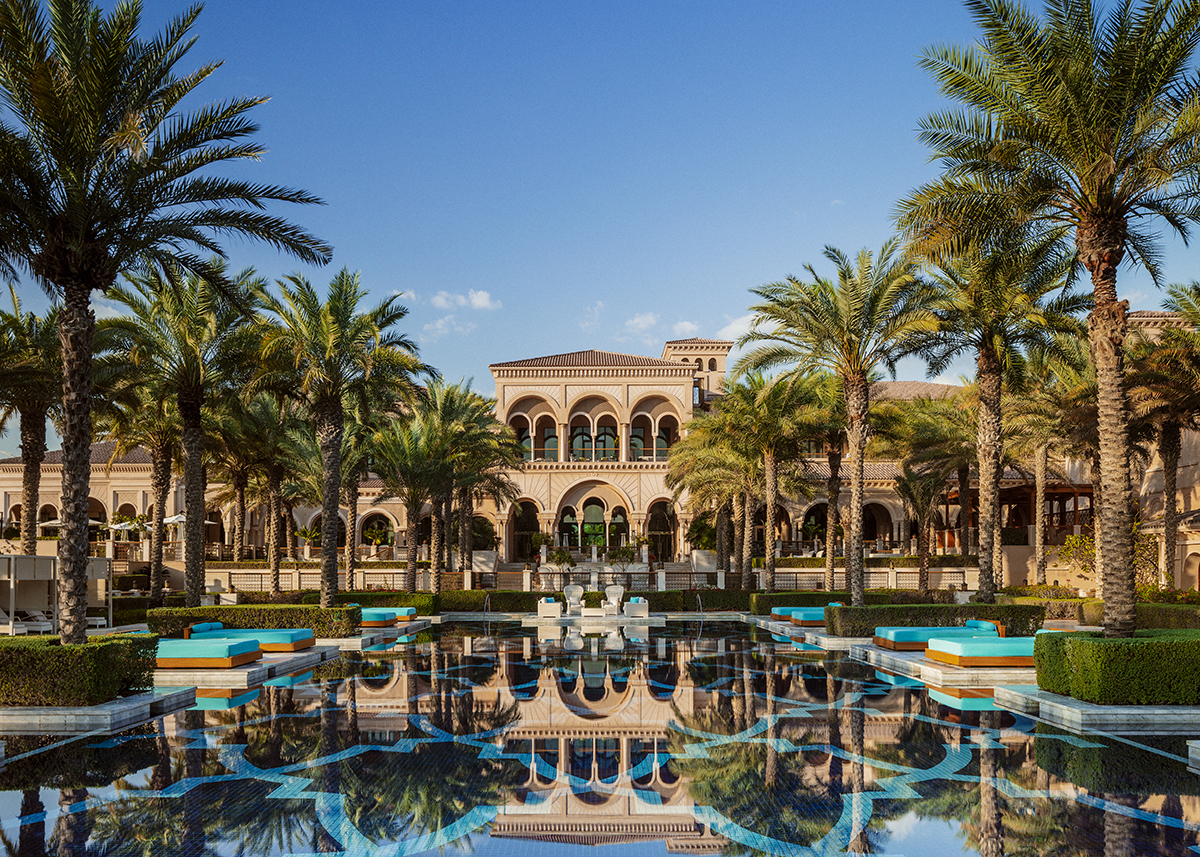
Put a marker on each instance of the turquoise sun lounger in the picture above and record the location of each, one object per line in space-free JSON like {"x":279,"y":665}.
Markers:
{"x":903,"y":639}
{"x":269,"y":639}
{"x":982,"y":651}
{"x":205,"y":654}
{"x":812,"y":617}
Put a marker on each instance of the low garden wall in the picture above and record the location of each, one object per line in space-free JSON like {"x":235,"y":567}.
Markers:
{"x":41,"y":671}
{"x":335,"y":622}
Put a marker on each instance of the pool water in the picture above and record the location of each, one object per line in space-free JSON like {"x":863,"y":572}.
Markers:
{"x":694,"y":739}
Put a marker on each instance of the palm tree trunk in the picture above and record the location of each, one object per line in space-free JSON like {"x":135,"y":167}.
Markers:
{"x":76,"y":331}
{"x":435,"y":543}
{"x":73,"y":829}
{"x":190,"y":404}
{"x":990,"y":451}
{"x":239,"y":517}
{"x":964,"y":510}
{"x":833,"y":513}
{"x":1169,"y":442}
{"x":1101,"y":246}
{"x":289,"y":530}
{"x":857,"y":403}
{"x":329,"y":439}
{"x":274,"y":525}
{"x":748,"y":581}
{"x":466,"y":529}
{"x":739,"y":535}
{"x":31,"y":839}
{"x":991,"y":822}
{"x":160,"y":486}
{"x":33,"y":453}
{"x":413,"y":516}
{"x":771,"y":494}
{"x":721,"y":519}
{"x":1039,"y":524}
{"x":923,"y":554}
{"x":771,"y":771}
{"x":352,"y":492}
{"x":1097,"y":501}
{"x":447,"y":517}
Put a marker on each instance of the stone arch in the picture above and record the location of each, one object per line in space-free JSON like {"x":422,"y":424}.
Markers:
{"x":877,"y":521}
{"x":1191,"y":571}
{"x":315,"y":523}
{"x":522,"y":523}
{"x":531,"y":407}
{"x":375,"y":518}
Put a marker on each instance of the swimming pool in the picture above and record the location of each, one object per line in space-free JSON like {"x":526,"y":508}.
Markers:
{"x":684,"y":739}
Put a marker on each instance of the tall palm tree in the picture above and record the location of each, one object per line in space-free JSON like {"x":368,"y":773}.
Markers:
{"x":103,"y":171}
{"x":995,"y":302}
{"x":920,"y":489}
{"x":191,"y":337}
{"x":323,"y":352}
{"x":30,"y":387}
{"x":851,"y":326}
{"x":1165,"y":388}
{"x":1078,"y":121}
{"x":409,"y":463}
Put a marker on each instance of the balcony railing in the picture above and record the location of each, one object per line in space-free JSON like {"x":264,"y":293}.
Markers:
{"x":592,"y":455}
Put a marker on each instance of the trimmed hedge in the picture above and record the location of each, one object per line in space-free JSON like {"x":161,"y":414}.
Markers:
{"x":1091,"y":612}
{"x":306,"y":564}
{"x":1050,"y":658}
{"x":1039,"y":590}
{"x":902,"y":563}
{"x":1154,"y":667}
{"x":41,"y":671}
{"x":1116,"y":767}
{"x":424,"y":603}
{"x":1019,"y":620}
{"x":336,"y":622}
{"x":1168,"y":616}
{"x":1056,"y":608}
{"x":761,"y":603}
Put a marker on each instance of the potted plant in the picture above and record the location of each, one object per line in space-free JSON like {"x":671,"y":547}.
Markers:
{"x":311,"y":536}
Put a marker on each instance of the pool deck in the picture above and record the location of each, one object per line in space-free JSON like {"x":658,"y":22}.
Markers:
{"x":835,"y":644}
{"x":114,"y":716}
{"x":1077,"y":715}
{"x":248,"y":675}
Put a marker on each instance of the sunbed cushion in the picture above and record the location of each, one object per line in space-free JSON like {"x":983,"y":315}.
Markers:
{"x":785,"y":612}
{"x":920,"y":635}
{"x":216,"y":648}
{"x":982,"y":624}
{"x":637,"y":599}
{"x":378,"y":614}
{"x":984,"y":647}
{"x":405,"y":611}
{"x":201,"y":627}
{"x":262,"y":635}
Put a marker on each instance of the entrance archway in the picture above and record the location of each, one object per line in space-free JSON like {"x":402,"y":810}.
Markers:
{"x":660,"y":529}
{"x":524,"y":526}
{"x":593,"y":523}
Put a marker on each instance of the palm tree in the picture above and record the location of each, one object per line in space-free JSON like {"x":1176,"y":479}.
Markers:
{"x":104,"y":172}
{"x":189,"y":336}
{"x":1165,"y":388}
{"x":323,"y":353}
{"x":850,"y":327}
{"x":1081,"y":122}
{"x":30,"y":387}
{"x":412,"y":471}
{"x":994,"y":302}
{"x":144,"y":415}
{"x":920,"y":489}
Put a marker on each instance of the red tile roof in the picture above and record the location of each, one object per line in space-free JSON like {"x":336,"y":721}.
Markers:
{"x":100,"y":453}
{"x":699,"y":340}
{"x":586,"y":359}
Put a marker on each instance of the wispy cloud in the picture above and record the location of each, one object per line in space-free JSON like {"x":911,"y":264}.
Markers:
{"x":103,"y":310}
{"x":685,"y":329}
{"x":447,"y":325}
{"x":591,"y":315}
{"x":736,"y":327}
{"x":473,"y":298}
{"x":641,"y":322}
{"x":409,"y":295}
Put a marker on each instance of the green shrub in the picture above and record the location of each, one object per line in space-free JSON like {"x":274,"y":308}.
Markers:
{"x":1019,"y":620}
{"x":336,"y":622}
{"x":1050,"y":658}
{"x":39,"y":671}
{"x":425,"y":603}
{"x":716,"y":599}
{"x":1091,"y":612}
{"x":292,"y":596}
{"x":761,"y":603}
{"x":502,"y":600}
{"x":1167,"y":616}
{"x":593,"y":599}
{"x":1115,"y":767}
{"x":1056,"y":608}
{"x":1153,"y":667}
{"x":306,"y":564}
{"x":1041,"y":590}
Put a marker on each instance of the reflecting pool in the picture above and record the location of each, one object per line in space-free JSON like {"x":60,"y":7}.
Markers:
{"x":690,"y":738}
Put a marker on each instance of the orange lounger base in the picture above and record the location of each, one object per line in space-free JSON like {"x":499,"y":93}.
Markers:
{"x":808,"y":623}
{"x":914,"y":646}
{"x":960,"y":661}
{"x":966,"y":692}
{"x":207,"y":663}
{"x":288,"y":647}
{"x":388,"y":623}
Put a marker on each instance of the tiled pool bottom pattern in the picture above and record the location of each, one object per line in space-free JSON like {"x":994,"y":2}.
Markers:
{"x":692,"y":740}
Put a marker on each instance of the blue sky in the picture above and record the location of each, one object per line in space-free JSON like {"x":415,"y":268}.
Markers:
{"x":542,"y":177}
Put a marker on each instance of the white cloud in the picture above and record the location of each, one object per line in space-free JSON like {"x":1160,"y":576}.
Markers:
{"x":591,"y":315}
{"x":641,"y":322}
{"x":685,"y":329}
{"x":474,"y":299}
{"x":444,"y":326}
{"x":482,"y":300}
{"x":837,"y":202}
{"x":409,"y":295}
{"x":736,"y":327}
{"x":106,"y":310}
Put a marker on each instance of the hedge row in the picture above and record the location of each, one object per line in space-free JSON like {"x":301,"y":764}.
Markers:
{"x":41,"y":671}
{"x":902,"y":563}
{"x":1153,"y":667}
{"x":1039,"y":590}
{"x":1019,"y":620}
{"x":425,"y":603}
{"x":1056,"y":608}
{"x":1115,"y":767}
{"x":336,"y":622}
{"x":306,"y":564}
{"x":761,"y":603}
{"x":1168,"y":616}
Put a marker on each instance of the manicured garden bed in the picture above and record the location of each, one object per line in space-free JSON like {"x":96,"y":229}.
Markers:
{"x":41,"y":671}
{"x":761,"y":603}
{"x":1153,"y":667}
{"x":335,"y":622}
{"x":901,"y":563}
{"x":1019,"y":620}
{"x":425,"y":603}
